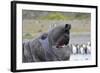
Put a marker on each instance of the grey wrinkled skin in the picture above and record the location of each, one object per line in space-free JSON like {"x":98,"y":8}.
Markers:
{"x":34,"y":51}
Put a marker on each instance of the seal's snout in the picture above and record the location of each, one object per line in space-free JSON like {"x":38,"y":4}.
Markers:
{"x":67,"y":27}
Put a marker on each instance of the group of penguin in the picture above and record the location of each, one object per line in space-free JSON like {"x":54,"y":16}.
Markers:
{"x":81,"y":49}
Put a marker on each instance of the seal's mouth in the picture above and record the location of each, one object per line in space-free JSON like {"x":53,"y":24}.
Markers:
{"x":61,"y":44}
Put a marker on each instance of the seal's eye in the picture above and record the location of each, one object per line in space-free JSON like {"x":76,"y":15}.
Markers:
{"x":66,"y":35}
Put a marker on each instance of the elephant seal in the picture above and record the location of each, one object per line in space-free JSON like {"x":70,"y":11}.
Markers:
{"x":51,"y":46}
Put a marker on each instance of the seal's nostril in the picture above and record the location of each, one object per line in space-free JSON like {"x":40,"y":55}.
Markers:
{"x":67,"y":26}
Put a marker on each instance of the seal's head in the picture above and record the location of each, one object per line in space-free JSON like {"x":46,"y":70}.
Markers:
{"x":60,"y":35}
